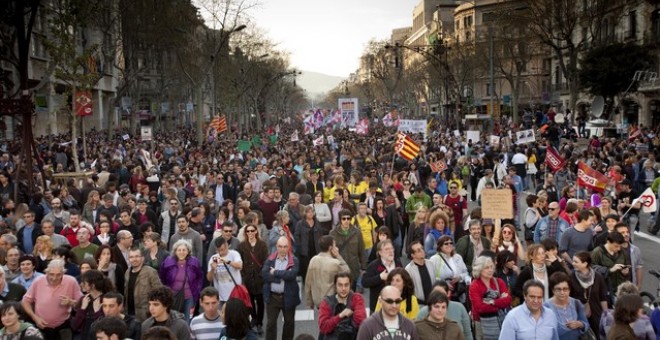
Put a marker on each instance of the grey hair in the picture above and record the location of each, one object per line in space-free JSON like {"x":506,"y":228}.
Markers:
{"x":54,"y":264}
{"x":293,"y":195}
{"x":627,"y":288}
{"x":474,"y":221}
{"x":179,"y":243}
{"x":11,"y":239}
{"x":479,"y":264}
{"x":280,"y":214}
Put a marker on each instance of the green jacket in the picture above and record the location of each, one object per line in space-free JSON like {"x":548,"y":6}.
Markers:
{"x":413,"y":203}
{"x":465,"y":248}
{"x":602,"y":261}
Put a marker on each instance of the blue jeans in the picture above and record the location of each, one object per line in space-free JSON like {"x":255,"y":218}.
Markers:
{"x":188,"y":304}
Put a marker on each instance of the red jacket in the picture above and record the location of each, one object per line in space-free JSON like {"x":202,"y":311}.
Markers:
{"x":328,"y":322}
{"x":478,"y":291}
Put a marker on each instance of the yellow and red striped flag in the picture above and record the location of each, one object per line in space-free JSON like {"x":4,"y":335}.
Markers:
{"x":406,"y":147}
{"x":219,"y":124}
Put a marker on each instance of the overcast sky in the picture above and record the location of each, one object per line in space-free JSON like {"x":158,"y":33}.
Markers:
{"x":328,"y":36}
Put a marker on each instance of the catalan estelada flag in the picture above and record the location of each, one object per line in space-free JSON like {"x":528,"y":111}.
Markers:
{"x":406,"y":147}
{"x":219,"y":124}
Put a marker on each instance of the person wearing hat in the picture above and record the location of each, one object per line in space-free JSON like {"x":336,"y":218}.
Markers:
{"x":627,"y":206}
{"x":488,"y":178}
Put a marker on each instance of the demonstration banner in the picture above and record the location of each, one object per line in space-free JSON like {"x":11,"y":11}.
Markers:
{"x":349,"y":111}
{"x":413,"y":126}
{"x":438,"y":166}
{"x":591,"y":178}
{"x":553,"y":160}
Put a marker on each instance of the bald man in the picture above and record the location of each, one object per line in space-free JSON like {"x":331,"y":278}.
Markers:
{"x":389,"y":317}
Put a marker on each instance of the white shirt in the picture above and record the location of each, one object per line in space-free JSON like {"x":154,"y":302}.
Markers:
{"x":519,"y":158}
{"x":221,"y":279}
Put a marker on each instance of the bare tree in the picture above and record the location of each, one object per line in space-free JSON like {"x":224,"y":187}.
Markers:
{"x":568,"y":28}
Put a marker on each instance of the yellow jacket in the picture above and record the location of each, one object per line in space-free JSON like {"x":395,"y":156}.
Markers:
{"x":402,"y":308}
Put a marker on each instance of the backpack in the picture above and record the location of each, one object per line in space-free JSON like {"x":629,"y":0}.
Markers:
{"x":346,"y":328}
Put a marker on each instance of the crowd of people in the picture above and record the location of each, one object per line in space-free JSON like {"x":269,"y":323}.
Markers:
{"x":171,"y":239}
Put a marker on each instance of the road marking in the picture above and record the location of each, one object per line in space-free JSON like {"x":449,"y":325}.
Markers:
{"x":647,"y":237}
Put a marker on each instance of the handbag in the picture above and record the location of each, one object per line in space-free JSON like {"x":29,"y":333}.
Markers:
{"x":459,"y":288}
{"x":240,"y":291}
{"x":179,"y":299}
{"x":589,"y":334}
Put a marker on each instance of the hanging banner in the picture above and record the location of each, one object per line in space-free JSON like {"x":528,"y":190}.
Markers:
{"x":84,"y":104}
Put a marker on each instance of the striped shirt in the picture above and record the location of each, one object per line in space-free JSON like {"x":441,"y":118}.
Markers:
{"x":202,"y":328}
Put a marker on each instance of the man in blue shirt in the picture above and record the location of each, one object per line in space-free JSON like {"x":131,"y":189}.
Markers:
{"x":531,"y":320}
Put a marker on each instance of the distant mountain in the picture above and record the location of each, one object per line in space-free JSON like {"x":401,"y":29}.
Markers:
{"x":317,"y":83}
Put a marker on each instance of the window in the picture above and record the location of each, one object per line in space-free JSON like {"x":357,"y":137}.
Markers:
{"x":632,"y":24}
{"x":655,"y":23}
{"x":488,"y":91}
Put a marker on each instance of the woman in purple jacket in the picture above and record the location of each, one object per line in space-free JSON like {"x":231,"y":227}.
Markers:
{"x":183,"y":274}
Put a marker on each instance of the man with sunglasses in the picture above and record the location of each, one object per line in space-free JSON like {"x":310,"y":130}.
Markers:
{"x":348,"y":239}
{"x":389,"y":322}
{"x":167,"y":220}
{"x":551,"y":226}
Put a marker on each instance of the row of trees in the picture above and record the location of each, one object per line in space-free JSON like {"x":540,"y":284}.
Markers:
{"x":160,"y":51}
{"x":526,"y":36}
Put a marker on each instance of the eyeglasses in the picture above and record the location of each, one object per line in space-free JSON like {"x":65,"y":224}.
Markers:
{"x":251,"y":231}
{"x":174,"y":203}
{"x":392,"y":301}
{"x":453,"y":188}
{"x":553,"y":208}
{"x":345,"y":218}
{"x":448,"y":244}
{"x":506,"y":232}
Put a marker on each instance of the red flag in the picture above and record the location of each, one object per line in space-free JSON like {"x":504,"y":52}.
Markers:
{"x":438,"y":166}
{"x":553,"y":160}
{"x":84,"y":105}
{"x":591,"y":178}
{"x":406,"y":147}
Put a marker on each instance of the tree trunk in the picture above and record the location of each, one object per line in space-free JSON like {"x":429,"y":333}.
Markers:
{"x":200,"y":115}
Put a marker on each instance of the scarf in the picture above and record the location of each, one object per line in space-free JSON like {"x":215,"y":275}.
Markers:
{"x":586,"y":280}
{"x":542,"y":271}
{"x":507,"y":245}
